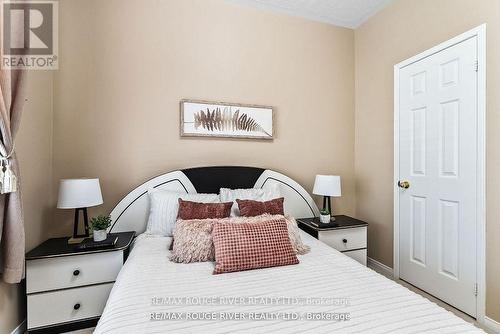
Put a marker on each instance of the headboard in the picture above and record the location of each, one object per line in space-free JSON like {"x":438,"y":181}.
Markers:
{"x":131,"y":213}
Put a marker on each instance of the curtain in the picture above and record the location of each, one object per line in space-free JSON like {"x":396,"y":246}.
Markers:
{"x":12,"y":98}
{"x":12,"y":239}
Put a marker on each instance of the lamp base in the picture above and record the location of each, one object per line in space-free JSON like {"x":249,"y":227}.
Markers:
{"x":74,"y":241}
{"x":78,"y":238}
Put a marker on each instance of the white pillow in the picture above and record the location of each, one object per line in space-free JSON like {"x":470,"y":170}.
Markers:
{"x":255,"y":194}
{"x":164,"y":206}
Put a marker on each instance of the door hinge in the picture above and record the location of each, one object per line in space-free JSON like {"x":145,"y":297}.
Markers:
{"x":476,"y":65}
{"x":475,"y":289}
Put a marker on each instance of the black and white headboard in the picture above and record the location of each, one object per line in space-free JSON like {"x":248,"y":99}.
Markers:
{"x":131,"y":213}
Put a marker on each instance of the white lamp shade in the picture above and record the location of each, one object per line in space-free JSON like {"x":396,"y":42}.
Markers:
{"x":79,"y":193}
{"x":327,"y":185}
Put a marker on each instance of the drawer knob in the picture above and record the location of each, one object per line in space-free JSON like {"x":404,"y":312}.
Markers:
{"x":76,"y":272}
{"x":77,"y":306}
{"x":344,"y":241}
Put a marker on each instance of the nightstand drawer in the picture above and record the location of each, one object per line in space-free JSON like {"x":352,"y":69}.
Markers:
{"x":344,"y":239}
{"x":72,"y":271}
{"x":358,"y":255}
{"x":67,"y":305}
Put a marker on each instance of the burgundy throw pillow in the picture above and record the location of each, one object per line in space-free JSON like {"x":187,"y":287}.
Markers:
{"x":195,"y":210}
{"x":248,"y":246}
{"x":249,"y":208}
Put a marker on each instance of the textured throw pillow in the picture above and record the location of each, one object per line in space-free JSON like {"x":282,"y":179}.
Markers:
{"x":249,"y":246}
{"x":256,"y":194}
{"x":193,"y":241}
{"x":249,"y":208}
{"x":196,"y":210}
{"x":164,"y":206}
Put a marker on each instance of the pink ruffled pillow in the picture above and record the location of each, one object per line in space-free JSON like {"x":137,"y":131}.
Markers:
{"x":193,"y":241}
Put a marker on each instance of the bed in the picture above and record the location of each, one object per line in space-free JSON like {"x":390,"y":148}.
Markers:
{"x":327,"y":291}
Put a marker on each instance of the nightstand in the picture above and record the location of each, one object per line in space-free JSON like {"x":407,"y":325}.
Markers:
{"x":346,"y":234}
{"x":66,"y":288}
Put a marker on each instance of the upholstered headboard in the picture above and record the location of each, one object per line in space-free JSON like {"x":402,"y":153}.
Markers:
{"x":131,"y":213}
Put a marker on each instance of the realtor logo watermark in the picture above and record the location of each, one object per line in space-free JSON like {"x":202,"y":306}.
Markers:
{"x":29,"y":35}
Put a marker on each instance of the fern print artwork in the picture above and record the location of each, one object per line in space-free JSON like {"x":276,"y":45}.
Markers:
{"x":218,"y":119}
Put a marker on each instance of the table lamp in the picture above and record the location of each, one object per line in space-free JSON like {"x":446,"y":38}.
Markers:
{"x":79,"y":194}
{"x":327,"y":186}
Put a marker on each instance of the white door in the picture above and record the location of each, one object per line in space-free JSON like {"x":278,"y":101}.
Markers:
{"x":437,"y":160}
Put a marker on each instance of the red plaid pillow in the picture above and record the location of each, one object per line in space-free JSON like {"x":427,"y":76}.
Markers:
{"x":195,"y":210}
{"x":249,"y":208}
{"x":248,"y":246}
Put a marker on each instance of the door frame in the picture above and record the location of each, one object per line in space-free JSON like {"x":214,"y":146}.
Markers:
{"x":480,"y":33}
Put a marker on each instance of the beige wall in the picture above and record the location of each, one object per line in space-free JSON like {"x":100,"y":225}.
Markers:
{"x":125,"y":65}
{"x":33,"y":147}
{"x":403,"y":29}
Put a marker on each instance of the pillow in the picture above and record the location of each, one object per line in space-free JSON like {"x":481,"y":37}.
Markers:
{"x":195,"y":210}
{"x":293,"y":233}
{"x":193,"y":238}
{"x":249,"y":246}
{"x":256,"y":194}
{"x":193,"y":241}
{"x":249,"y":208}
{"x":164,"y":206}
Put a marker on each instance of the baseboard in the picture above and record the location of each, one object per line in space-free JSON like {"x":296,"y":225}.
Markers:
{"x":21,"y":329}
{"x":380,"y":267}
{"x":488,"y":323}
{"x":491,"y":324}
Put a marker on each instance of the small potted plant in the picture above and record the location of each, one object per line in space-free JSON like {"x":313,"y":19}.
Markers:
{"x":324,"y":216}
{"x":99,"y":226}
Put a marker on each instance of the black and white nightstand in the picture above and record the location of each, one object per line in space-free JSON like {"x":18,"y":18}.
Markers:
{"x":66,"y":288}
{"x":346,"y":234}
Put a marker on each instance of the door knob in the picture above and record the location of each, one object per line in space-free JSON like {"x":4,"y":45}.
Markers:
{"x":404,"y":184}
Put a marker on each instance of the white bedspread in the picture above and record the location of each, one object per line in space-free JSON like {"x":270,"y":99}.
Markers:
{"x":375,"y":303}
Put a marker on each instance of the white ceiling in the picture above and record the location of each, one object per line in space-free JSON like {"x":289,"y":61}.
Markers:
{"x":344,"y":13}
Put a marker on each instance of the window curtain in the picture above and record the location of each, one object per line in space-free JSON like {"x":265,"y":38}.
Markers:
{"x":12,"y":98}
{"x":12,"y":239}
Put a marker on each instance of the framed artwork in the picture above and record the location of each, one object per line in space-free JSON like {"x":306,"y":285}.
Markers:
{"x":225,"y":120}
